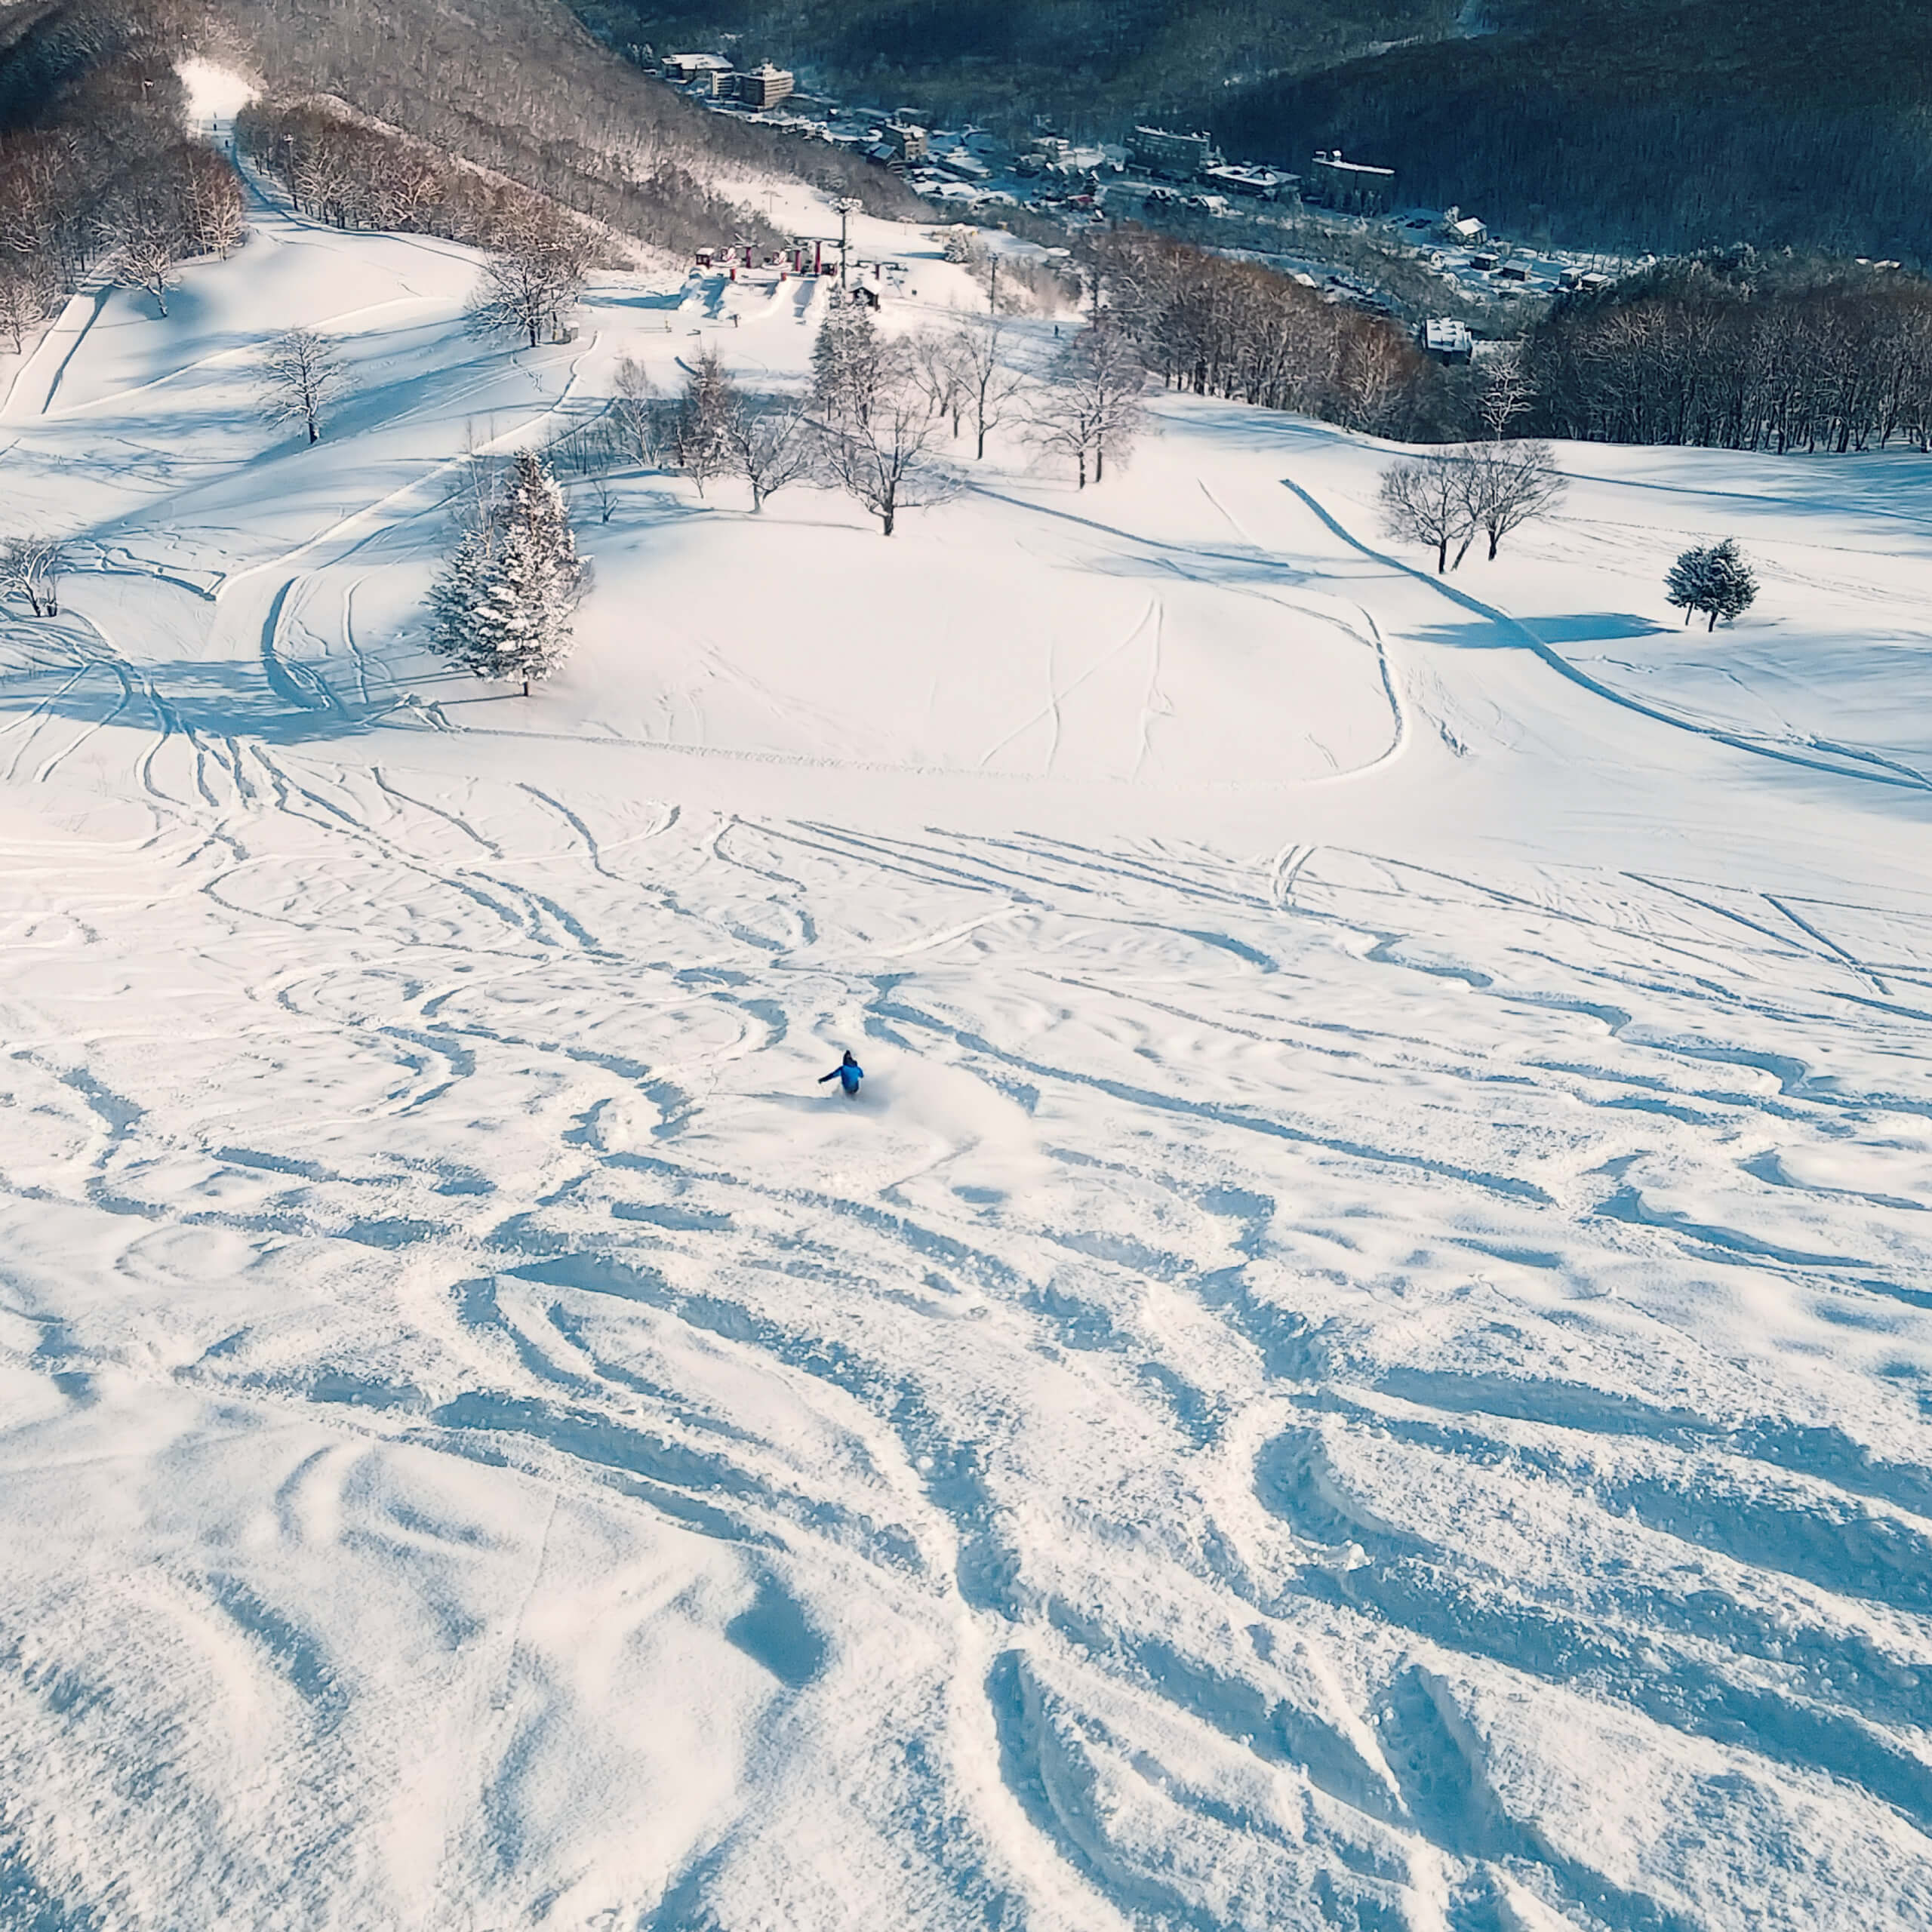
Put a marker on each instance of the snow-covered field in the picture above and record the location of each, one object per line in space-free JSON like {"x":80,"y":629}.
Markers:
{"x":1363,"y":1360}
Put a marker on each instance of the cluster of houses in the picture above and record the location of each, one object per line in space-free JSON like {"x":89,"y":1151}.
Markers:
{"x":906,"y":141}
{"x":1165,"y":166}
{"x":1332,"y":179}
{"x":948,"y":165}
{"x":760,"y":88}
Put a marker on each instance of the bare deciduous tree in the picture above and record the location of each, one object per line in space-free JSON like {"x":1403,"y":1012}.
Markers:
{"x":211,"y":203}
{"x":530,"y":285}
{"x":32,"y":567}
{"x":772,"y":444}
{"x":885,"y":458}
{"x":700,"y":421}
{"x":936,"y":370}
{"x":992,"y":387}
{"x":1091,"y":406}
{"x":1508,"y":389}
{"x":301,"y":375}
{"x":633,"y":416}
{"x":1426,"y":500}
{"x":146,"y":221}
{"x":27,"y":298}
{"x":876,"y":429}
{"x":1372,"y":376}
{"x":1506,"y":484}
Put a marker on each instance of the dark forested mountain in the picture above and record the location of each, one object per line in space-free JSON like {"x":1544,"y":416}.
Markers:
{"x":1657,"y":124}
{"x":1669,"y":124}
{"x":1089,"y":62}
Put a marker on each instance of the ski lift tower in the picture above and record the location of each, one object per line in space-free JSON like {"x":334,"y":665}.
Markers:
{"x":848,"y":206}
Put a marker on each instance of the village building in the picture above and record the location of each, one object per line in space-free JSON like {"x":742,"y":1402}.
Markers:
{"x":702,"y":71}
{"x":1448,"y":340}
{"x":1354,"y":186}
{"x":1174,"y":157}
{"x":766,"y":86}
{"x":1266,"y":184}
{"x":1465,"y":230}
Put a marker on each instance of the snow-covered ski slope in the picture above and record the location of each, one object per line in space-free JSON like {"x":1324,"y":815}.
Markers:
{"x":1361,"y":1362}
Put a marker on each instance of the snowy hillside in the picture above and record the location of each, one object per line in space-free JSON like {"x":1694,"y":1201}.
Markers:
{"x":1362,"y":1360}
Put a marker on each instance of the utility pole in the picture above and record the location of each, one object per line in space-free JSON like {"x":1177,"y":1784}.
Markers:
{"x":992,"y":294}
{"x":847,"y":206}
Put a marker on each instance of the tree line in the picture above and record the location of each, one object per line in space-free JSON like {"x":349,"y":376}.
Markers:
{"x":520,"y":90}
{"x":1735,"y":350}
{"x":1214,"y":326}
{"x":1740,"y":352}
{"x":1607,"y":123}
{"x":351,"y":175}
{"x":886,"y":419}
{"x":1095,"y":66}
{"x":96,"y":174}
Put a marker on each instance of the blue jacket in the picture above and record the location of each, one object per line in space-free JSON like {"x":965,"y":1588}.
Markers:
{"x":848,"y":1073}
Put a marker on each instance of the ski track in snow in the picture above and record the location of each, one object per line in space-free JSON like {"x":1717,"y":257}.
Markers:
{"x":1318,"y":1385}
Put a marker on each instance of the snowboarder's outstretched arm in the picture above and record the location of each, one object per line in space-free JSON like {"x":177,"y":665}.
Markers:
{"x":848,"y":1073}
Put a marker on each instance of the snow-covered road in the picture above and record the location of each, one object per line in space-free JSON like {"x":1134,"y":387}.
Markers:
{"x":1362,"y":1360}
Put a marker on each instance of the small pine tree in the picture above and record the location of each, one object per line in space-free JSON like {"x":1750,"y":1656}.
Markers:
{"x":1716,"y":581}
{"x":503,"y":605}
{"x":453,"y":628}
{"x":1732,"y":586}
{"x":1688,"y":580}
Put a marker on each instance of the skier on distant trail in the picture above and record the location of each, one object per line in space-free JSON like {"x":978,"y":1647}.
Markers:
{"x":848,"y":1073}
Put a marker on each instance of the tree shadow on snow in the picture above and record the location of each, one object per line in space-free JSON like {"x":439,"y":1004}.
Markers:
{"x":221,"y":700}
{"x":1482,"y":633}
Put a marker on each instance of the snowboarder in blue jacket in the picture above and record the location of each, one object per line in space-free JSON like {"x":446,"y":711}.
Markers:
{"x":848,"y":1073}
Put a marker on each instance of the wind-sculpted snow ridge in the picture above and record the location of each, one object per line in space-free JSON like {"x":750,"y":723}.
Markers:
{"x":1361,"y":1360}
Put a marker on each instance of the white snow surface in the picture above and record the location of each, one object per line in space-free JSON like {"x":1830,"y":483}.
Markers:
{"x":215,"y":94}
{"x":1361,"y":1361}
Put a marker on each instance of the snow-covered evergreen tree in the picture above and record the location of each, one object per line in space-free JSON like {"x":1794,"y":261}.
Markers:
{"x":1733,"y":585}
{"x":1685,"y":582}
{"x":453,"y":600}
{"x":503,"y":605}
{"x":1716,"y":581}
